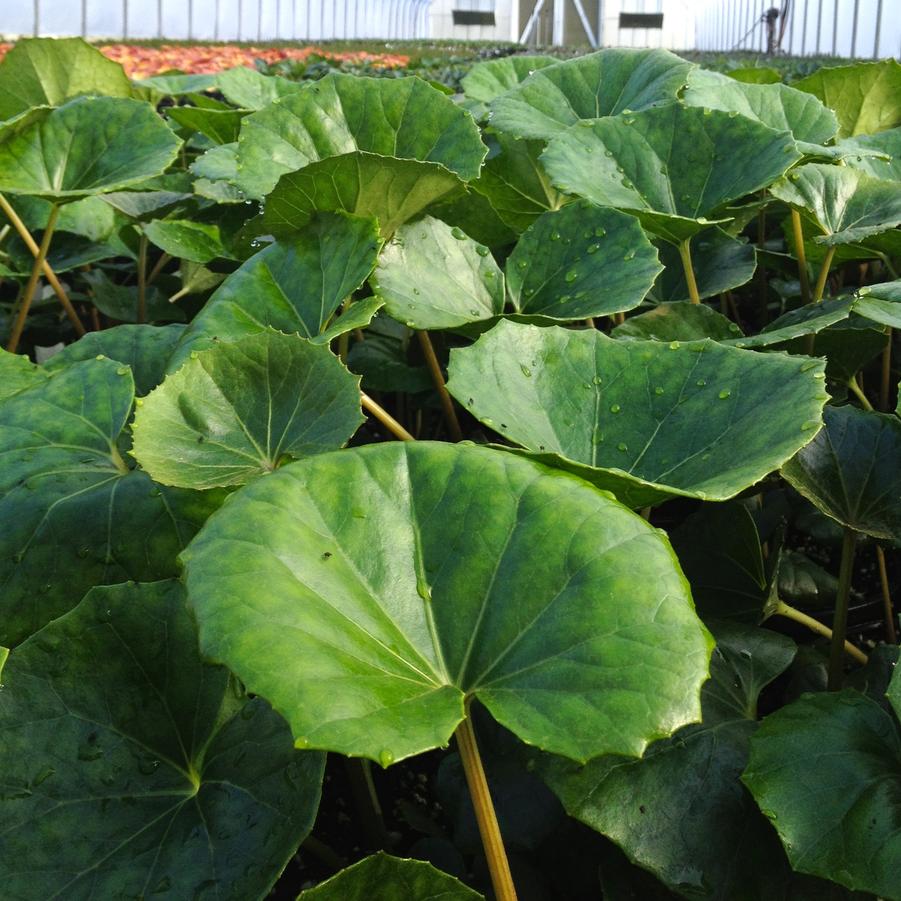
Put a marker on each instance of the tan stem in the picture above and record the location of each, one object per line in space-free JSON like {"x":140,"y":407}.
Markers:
{"x":447,"y":403}
{"x":857,"y":391}
{"x":385,"y":418}
{"x":158,"y":268}
{"x":891,"y":635}
{"x":801,"y":254}
{"x":824,"y":274}
{"x":685,"y":254}
{"x":496,"y":855}
{"x":49,"y":274}
{"x":798,"y":616}
{"x":885,"y":385}
{"x":31,"y":287}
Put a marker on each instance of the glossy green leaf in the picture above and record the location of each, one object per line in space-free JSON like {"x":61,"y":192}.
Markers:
{"x":145,"y":348}
{"x":72,"y":515}
{"x":826,"y":770}
{"x":847,"y":204}
{"x":402,"y":579}
{"x":48,"y":72}
{"x":776,"y":105}
{"x":236,"y":411}
{"x":294,"y":286}
{"x":878,"y":155}
{"x":186,"y":240}
{"x":393,"y":191}
{"x":474,"y":215}
{"x":248,"y":89}
{"x":642,"y":419}
{"x":675,"y":167}
{"x":91,"y":218}
{"x":487,"y":80}
{"x":432,"y":276}
{"x":679,"y":321}
{"x":581,"y":261}
{"x":220,"y":125}
{"x":385,"y":878}
{"x":18,"y":373}
{"x":402,"y":118}
{"x":880,"y":303}
{"x":131,"y":767}
{"x":866,"y":97}
{"x":852,"y":471}
{"x":680,"y":811}
{"x":605,"y":83}
{"x":806,"y":320}
{"x":87,"y":146}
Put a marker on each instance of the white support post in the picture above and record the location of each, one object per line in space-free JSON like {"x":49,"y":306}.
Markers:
{"x":559,"y":33}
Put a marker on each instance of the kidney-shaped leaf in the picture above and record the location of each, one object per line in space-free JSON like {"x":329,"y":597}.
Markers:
{"x":581,"y":261}
{"x":131,"y":767}
{"x":432,"y":276}
{"x":485,"y":81}
{"x":88,"y":146}
{"x":295,"y":285}
{"x":852,"y":471}
{"x":405,"y":118}
{"x":367,"y":593}
{"x":674,"y":166}
{"x":236,"y":411}
{"x":72,"y":515}
{"x":605,"y":83}
{"x":826,"y":770}
{"x":385,"y":878}
{"x":643,"y":419}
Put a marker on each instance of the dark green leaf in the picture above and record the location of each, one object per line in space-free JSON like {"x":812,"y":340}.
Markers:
{"x":120,"y":302}
{"x":220,"y":125}
{"x":679,"y":321}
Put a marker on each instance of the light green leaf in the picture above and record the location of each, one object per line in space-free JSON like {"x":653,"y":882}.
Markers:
{"x":581,"y":261}
{"x":131,"y":767}
{"x":878,"y":155}
{"x":71,"y":513}
{"x":432,"y":276}
{"x":847,"y":204}
{"x":826,"y":770}
{"x":755,"y":75}
{"x":48,"y":72}
{"x":642,"y":419}
{"x":680,"y":811}
{"x":248,"y":89}
{"x":400,"y":118}
{"x":678,"y":321}
{"x":852,"y":471}
{"x":385,"y":878}
{"x":236,"y":411}
{"x":91,"y":218}
{"x":674,"y":167}
{"x":447,"y":572}
{"x":177,"y":84}
{"x":866,"y":97}
{"x":605,"y":83}
{"x":880,"y":303}
{"x":183,"y":239}
{"x":87,"y":146}
{"x":220,"y":125}
{"x":18,"y":373}
{"x":487,"y":80}
{"x":294,"y":286}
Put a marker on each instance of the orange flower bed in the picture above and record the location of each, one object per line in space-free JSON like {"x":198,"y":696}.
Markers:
{"x":142,"y":62}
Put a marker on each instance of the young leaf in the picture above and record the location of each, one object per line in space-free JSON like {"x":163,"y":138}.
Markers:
{"x":293,"y":286}
{"x":605,"y":83}
{"x":403,"y":579}
{"x":235,"y":411}
{"x":72,"y":515}
{"x":390,"y":879}
{"x":852,"y":471}
{"x":432,"y":276}
{"x":581,"y":261}
{"x":487,"y":80}
{"x":826,"y":770}
{"x":88,"y":146}
{"x":248,"y":89}
{"x":642,"y":419}
{"x":186,"y":240}
{"x":674,"y":167}
{"x":130,"y":766}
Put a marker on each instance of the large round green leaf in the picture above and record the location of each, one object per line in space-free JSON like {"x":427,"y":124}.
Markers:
{"x":390,"y":190}
{"x":236,"y":411}
{"x":72,"y":515}
{"x":826,"y":770}
{"x":643,"y":419}
{"x":866,"y":97}
{"x":294,"y":285}
{"x":681,"y":811}
{"x":432,"y":276}
{"x":852,"y":471}
{"x":404,"y":118}
{"x":485,"y":81}
{"x":847,"y":204}
{"x":368,"y":593}
{"x":605,"y":83}
{"x":674,"y":167}
{"x":87,"y":146}
{"x":581,"y":261}
{"x":385,"y":878}
{"x":48,"y":72}
{"x":132,"y":768}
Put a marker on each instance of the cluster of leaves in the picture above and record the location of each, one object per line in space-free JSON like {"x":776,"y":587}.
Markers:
{"x":205,"y":589}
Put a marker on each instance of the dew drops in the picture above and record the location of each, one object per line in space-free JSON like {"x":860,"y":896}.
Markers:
{"x":622,"y":447}
{"x":810,"y":364}
{"x":810,"y":425}
{"x":593,"y":248}
{"x":302,"y":743}
{"x":123,"y":370}
{"x":488,"y":276}
{"x":726,"y":392}
{"x":599,"y":232}
{"x":571,"y":276}
{"x":629,"y":256}
{"x":482,"y":250}
{"x":525,"y":370}
{"x":386,"y":758}
{"x":701,"y":383}
{"x":473,"y":312}
{"x":658,"y":390}
{"x":555,"y":235}
{"x":523,"y":264}
{"x":608,"y":153}
{"x":674,"y":345}
{"x":615,"y":408}
{"x":458,"y":233}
